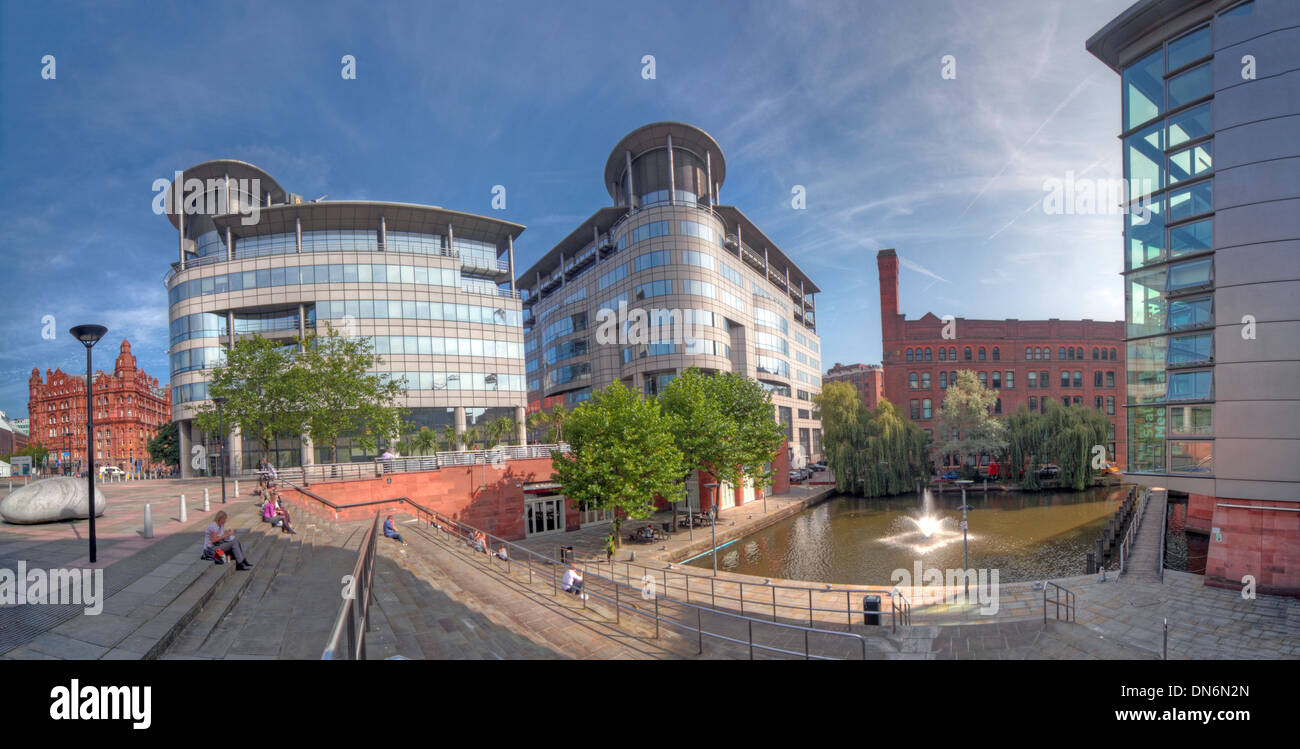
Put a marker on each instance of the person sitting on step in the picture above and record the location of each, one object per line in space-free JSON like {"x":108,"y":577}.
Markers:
{"x":218,"y":537}
{"x":572,"y":582}
{"x":391,"y":532}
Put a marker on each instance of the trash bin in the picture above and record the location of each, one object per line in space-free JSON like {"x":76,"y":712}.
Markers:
{"x":566,"y":554}
{"x":871,"y":610}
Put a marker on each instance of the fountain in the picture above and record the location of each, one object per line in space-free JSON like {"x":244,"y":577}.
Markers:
{"x":928,"y":532}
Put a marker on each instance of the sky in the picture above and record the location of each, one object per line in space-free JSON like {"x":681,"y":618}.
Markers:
{"x":927,"y":126}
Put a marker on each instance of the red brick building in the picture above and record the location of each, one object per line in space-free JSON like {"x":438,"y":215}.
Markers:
{"x":869,"y":379}
{"x":1026,"y":361}
{"x":129,"y":408}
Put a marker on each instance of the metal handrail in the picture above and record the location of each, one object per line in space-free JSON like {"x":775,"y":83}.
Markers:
{"x":1068,"y":603}
{"x":463,"y":532}
{"x":378,"y":466}
{"x":1164,"y":523}
{"x":353,"y":618}
{"x":1131,"y":533}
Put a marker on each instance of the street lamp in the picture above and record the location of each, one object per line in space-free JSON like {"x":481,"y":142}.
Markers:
{"x":89,"y":335}
{"x":713,"y":523}
{"x":221,"y":436}
{"x":965,"y":557}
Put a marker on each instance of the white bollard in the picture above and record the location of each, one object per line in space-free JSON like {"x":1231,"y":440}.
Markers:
{"x":183,"y":516}
{"x":206,"y":507}
{"x":148,"y":521}
{"x":236,"y":487}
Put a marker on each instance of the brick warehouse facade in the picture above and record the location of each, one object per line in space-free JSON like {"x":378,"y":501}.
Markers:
{"x":129,"y":407}
{"x":1082,"y":361}
{"x":869,"y":379}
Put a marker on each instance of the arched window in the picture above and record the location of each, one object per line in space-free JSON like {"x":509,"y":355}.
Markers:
{"x":1095,"y":355}
{"x":997,"y":356}
{"x":909,"y":355}
{"x":967,"y":352}
{"x":1029,"y":354}
{"x":928,"y":355}
{"x":1112,"y":356}
{"x":943,"y":354}
{"x":1060,"y":353}
{"x":1071,"y":354}
{"x":1047,"y":353}
{"x":943,"y":381}
{"x":952,"y":379}
{"x":1105,"y":355}
{"x":1081,"y":353}
{"x":983,"y":356}
{"x":952,"y":353}
{"x":912,"y":381}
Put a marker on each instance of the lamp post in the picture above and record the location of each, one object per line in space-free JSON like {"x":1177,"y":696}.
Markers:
{"x":89,"y":335}
{"x":713,"y":523}
{"x":221,"y":429}
{"x":965,"y":557}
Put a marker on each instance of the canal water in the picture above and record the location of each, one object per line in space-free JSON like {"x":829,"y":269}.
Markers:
{"x":850,"y":540}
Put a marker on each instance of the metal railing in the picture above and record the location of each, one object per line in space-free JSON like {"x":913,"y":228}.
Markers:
{"x":812,"y":605}
{"x":1164,"y":523}
{"x":1126,"y":546}
{"x":378,"y":466}
{"x":354,"y":612}
{"x":622,"y":595}
{"x":1068,"y":603}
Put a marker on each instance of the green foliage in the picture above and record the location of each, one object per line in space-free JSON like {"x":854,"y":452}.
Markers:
{"x":261,"y":398}
{"x":34,"y":451}
{"x":449,"y":437}
{"x":1063,"y":435}
{"x":967,"y":411}
{"x":622,"y":454}
{"x":323,"y":390}
{"x":165,"y":446}
{"x":872,"y":453}
{"x":723,"y":424}
{"x":548,"y":424}
{"x":425,"y":441}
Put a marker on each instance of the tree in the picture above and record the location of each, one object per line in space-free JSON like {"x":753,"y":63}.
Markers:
{"x":723,"y":424}
{"x":165,"y":446}
{"x":449,"y":436}
{"x":966,"y":425}
{"x":1064,"y":435}
{"x":871,"y":453}
{"x":262,"y":399}
{"x":502,"y":429}
{"x":425,"y":441}
{"x":622,"y":455}
{"x":339,"y":395}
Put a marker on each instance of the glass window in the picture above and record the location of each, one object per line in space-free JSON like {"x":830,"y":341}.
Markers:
{"x":997,"y":380}
{"x":1065,"y":378}
{"x":1189,"y":86}
{"x":1032,"y":377}
{"x":926,"y":412}
{"x":1146,"y":370}
{"x":1143,"y":89}
{"x":1190,"y":313}
{"x":1011,"y":380}
{"x":925,"y":380}
{"x":1189,"y":125}
{"x":1190,"y":421}
{"x":997,"y":356}
{"x":1189,"y":48}
{"x":1188,"y":238}
{"x":1033,"y":401}
{"x":967,"y":353}
{"x":943,"y":380}
{"x":928,"y":354}
{"x":910,"y":357}
{"x":1144,"y":160}
{"x":1078,"y":379}
{"x":1190,"y":348}
{"x":1188,"y":456}
{"x":1244,"y":9}
{"x":1190,"y":385}
{"x":698,"y":259}
{"x":913,"y":382}
{"x":1144,"y":292}
{"x":983,"y":355}
{"x":1195,"y":273}
{"x":652,"y":259}
{"x":1191,"y":162}
{"x":984,"y":379}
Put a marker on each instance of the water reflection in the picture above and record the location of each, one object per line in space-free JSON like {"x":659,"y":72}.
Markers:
{"x":853,"y":540}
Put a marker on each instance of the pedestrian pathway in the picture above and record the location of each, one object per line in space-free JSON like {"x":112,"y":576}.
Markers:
{"x":1143,"y":562}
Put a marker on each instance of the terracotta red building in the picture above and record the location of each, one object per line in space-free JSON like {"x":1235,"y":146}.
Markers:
{"x":129,"y":407}
{"x":869,"y":379}
{"x":1027,"y":361}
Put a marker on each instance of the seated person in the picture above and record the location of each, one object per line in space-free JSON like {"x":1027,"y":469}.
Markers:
{"x":391,"y":532}
{"x":501,"y":554}
{"x":217,"y":537}
{"x":572,"y":582}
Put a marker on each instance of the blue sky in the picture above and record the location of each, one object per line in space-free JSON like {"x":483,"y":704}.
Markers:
{"x":846,"y":99}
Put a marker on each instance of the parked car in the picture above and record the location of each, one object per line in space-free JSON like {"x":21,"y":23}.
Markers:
{"x":111,"y":472}
{"x":1049,"y":471}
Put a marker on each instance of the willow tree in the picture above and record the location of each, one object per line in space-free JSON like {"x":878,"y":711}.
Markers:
{"x":872,"y":453}
{"x":1064,"y":435}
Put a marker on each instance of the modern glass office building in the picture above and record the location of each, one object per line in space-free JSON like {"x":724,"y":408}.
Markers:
{"x":706,"y":285}
{"x":432,"y":288}
{"x":1210,"y":136}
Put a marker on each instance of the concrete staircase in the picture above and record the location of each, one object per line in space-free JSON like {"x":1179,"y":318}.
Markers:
{"x":283,"y":607}
{"x":1143,"y":563}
